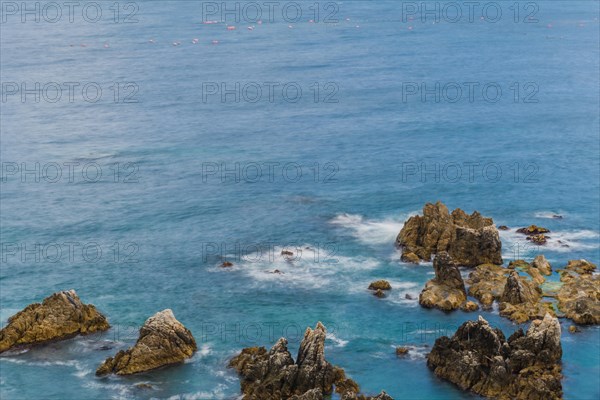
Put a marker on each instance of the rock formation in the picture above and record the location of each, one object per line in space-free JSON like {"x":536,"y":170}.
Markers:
{"x":447,"y":290}
{"x":579,"y":296}
{"x":479,"y":358}
{"x":469,"y":239}
{"x":59,"y":316}
{"x":380,"y":285}
{"x":163,"y":341}
{"x":533,"y":230}
{"x":520,"y":300}
{"x":273,"y":374}
{"x":487,"y":283}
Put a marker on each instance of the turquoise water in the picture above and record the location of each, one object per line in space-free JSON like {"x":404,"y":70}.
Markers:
{"x":167,"y":220}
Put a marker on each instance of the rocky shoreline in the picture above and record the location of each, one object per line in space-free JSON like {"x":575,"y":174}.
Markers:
{"x":477,"y":358}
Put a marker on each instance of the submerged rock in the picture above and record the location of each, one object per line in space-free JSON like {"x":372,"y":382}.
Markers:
{"x":401,"y":351}
{"x":380,"y":285}
{"x":469,"y":239}
{"x":447,"y":290}
{"x":59,"y":316}
{"x":273,"y":374}
{"x":478,"y":358}
{"x":579,"y":296}
{"x":379,"y":293}
{"x":163,"y":341}
{"x":410,"y":258}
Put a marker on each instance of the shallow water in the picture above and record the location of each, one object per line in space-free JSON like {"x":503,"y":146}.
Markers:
{"x":167,"y":220}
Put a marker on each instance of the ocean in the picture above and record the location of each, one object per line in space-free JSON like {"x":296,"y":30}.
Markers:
{"x":144,"y":143}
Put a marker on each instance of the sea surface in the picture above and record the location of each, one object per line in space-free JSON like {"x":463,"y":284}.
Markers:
{"x":209,"y":144}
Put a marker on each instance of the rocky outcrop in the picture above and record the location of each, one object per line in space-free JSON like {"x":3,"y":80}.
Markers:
{"x":579,"y":296}
{"x":520,"y":300}
{"x":59,"y":316}
{"x":542,"y":265}
{"x":478,"y":358}
{"x":273,"y":374}
{"x":447,"y":290}
{"x":469,"y":239}
{"x":530,"y":269}
{"x":380,"y":285}
{"x":163,"y":341}
{"x":487,"y":283}
{"x":533,"y":230}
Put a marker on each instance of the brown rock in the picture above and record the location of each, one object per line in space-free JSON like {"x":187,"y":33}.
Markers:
{"x":286,"y":253}
{"x":503,"y":228}
{"x":227,"y":264}
{"x":410,"y":258}
{"x":579,"y":296}
{"x":542,"y":265}
{"x":163,"y":341}
{"x":401,"y":351}
{"x":520,"y":300}
{"x":275,"y":375}
{"x":573,"y":329}
{"x":469,"y":239}
{"x":487,"y":283}
{"x":469,"y":306}
{"x":533,"y":230}
{"x":380,"y":285}
{"x":478,"y":358}
{"x":379,"y":293}
{"x":447,"y":290}
{"x":540,"y":239}
{"x":59,"y":316}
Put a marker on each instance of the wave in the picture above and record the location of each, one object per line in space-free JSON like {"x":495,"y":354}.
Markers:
{"x":548,"y":214}
{"x":301,"y":270}
{"x":338,"y":342}
{"x":372,"y":232}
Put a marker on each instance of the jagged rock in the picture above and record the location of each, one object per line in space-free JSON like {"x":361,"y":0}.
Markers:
{"x":503,"y":228}
{"x":469,"y":239}
{"x":410,"y":258}
{"x":286,"y":253}
{"x":163,"y":341}
{"x":480,"y":359}
{"x":447,"y":290}
{"x":518,"y":264}
{"x":523,"y":265}
{"x":487,"y":283}
{"x":379,"y":293}
{"x":227,"y":264}
{"x":542,"y":264}
{"x":579,"y":296}
{"x":59,"y":316}
{"x":380,"y":285}
{"x":520,"y":300}
{"x":275,"y":375}
{"x":533,"y":230}
{"x":469,"y":306}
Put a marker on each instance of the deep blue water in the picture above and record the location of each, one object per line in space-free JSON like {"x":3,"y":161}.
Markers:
{"x":361,"y":149}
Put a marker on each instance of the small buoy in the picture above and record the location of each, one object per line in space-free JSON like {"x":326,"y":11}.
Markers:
{"x":259,"y":22}
{"x":151,"y":41}
{"x":311,"y":21}
{"x":215,"y":42}
{"x":194,"y":41}
{"x":410,"y":28}
{"x":106,"y":45}
{"x":290,"y":27}
{"x":250,"y":28}
{"x":231,"y":28}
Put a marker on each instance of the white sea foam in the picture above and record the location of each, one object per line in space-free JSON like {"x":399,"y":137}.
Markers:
{"x":305,"y":270}
{"x":547,"y":214}
{"x":216,"y":393}
{"x":373,"y":232}
{"x":338,"y":342}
